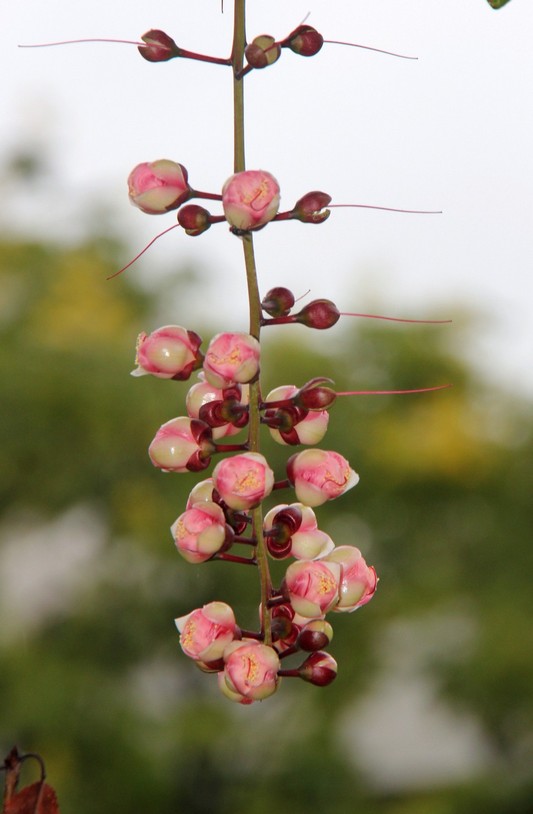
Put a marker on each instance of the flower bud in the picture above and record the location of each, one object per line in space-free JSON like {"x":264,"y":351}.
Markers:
{"x":310,"y":208}
{"x":202,"y":492}
{"x":159,"y":46}
{"x":182,"y":445}
{"x":278,"y":301}
{"x":319,"y":475}
{"x":358,"y":580}
{"x":313,"y":586}
{"x":202,"y":393}
{"x":310,"y":428}
{"x":158,"y":186}
{"x":304,"y":40}
{"x":251,"y":670}
{"x":170,"y":352}
{"x":250,"y":199}
{"x":200,"y":532}
{"x":307,"y":542}
{"x":314,"y":395}
{"x":316,"y":635}
{"x":319,"y":668}
{"x":319,"y":314}
{"x":243,"y":481}
{"x":194,"y":219}
{"x":231,"y":358}
{"x":206,"y":632}
{"x":262,"y":51}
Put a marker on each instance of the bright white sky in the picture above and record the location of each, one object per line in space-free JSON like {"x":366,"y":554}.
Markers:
{"x":452,"y":131}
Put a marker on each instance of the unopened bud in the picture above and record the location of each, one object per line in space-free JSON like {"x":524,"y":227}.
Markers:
{"x":310,"y":208}
{"x":319,"y":314}
{"x":315,"y":635}
{"x":157,"y":187}
{"x":194,"y":219}
{"x":278,"y":301}
{"x":319,"y":668}
{"x":304,"y":40}
{"x":314,"y":395}
{"x":159,"y":46}
{"x":262,"y":51}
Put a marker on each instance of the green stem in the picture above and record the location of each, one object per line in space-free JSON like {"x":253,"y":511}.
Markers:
{"x":239,"y":165}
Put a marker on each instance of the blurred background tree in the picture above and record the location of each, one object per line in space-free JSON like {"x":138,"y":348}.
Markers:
{"x":432,"y":711}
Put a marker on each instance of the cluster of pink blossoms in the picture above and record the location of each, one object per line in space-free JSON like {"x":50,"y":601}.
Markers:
{"x":234,"y":506}
{"x":217,"y":516}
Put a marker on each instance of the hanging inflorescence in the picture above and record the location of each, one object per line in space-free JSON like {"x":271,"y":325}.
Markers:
{"x":224,"y":518}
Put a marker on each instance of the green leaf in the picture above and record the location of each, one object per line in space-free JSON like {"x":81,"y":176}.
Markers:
{"x":497,"y":3}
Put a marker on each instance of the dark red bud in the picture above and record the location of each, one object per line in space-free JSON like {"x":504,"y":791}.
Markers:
{"x":316,"y":398}
{"x":159,"y":46}
{"x":319,"y":668}
{"x":312,"y":640}
{"x":319,"y":314}
{"x":310,"y":208}
{"x":262,"y":51}
{"x":278,"y":301}
{"x":194,"y":219}
{"x":304,"y":40}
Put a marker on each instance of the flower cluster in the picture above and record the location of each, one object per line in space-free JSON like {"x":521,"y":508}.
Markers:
{"x":222,"y":510}
{"x":233,"y":507}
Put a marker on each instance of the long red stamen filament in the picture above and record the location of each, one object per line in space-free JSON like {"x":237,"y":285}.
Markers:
{"x":75,"y":42}
{"x":398,"y":319}
{"x":164,"y":232}
{"x":387,"y":209}
{"x":369,"y":48}
{"x":394,"y":392}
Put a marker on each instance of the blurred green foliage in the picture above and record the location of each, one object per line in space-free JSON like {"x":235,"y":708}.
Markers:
{"x":95,"y":681}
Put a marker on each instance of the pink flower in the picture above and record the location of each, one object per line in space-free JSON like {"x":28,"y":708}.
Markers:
{"x":200,"y":532}
{"x":170,"y":352}
{"x":307,"y":430}
{"x":231,"y":358}
{"x":250,"y":199}
{"x":358,"y":580}
{"x":206,"y":632}
{"x":319,"y":476}
{"x":251,"y":670}
{"x":308,"y":542}
{"x":181,"y":445}
{"x":313,"y":586}
{"x":158,"y":186}
{"x":203,"y":393}
{"x":243,"y":481}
